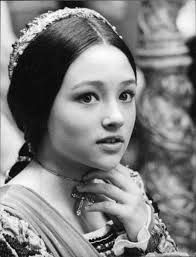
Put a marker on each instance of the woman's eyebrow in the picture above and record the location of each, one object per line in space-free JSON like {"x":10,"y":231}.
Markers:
{"x":128,"y":82}
{"x":98,"y":83}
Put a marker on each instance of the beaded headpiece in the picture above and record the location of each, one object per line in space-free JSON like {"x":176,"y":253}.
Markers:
{"x":40,"y":23}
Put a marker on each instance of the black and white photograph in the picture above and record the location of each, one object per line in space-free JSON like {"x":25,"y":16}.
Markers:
{"x":98,"y":128}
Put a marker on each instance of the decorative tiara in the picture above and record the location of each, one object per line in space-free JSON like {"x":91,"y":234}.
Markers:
{"x":40,"y":23}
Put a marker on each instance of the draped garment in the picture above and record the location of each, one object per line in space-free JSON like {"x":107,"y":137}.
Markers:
{"x":60,"y":237}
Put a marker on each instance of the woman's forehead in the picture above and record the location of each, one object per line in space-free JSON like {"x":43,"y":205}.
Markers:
{"x":99,"y":61}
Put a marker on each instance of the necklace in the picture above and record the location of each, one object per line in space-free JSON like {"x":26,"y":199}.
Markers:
{"x":56,"y":173}
{"x":81,"y":198}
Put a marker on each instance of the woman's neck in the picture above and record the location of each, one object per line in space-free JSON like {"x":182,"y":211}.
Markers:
{"x":64,"y":167}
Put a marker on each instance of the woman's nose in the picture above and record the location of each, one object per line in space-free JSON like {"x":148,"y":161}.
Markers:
{"x":113,"y":118}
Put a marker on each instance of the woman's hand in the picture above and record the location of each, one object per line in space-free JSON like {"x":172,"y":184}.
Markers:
{"x":123,"y":198}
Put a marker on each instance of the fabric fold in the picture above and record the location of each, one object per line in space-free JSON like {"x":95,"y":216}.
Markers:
{"x":58,"y":234}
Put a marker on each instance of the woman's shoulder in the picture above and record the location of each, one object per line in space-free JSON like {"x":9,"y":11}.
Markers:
{"x":18,"y":238}
{"x":12,"y":193}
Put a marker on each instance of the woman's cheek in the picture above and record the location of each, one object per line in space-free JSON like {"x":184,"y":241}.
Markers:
{"x":78,"y":123}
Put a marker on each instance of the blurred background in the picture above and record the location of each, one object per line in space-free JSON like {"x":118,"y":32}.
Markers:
{"x":162,"y":37}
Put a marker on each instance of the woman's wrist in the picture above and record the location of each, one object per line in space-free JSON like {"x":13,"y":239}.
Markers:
{"x":143,"y":222}
{"x":141,"y":243}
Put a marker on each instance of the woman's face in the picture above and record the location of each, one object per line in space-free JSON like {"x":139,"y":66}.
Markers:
{"x":93,"y":115}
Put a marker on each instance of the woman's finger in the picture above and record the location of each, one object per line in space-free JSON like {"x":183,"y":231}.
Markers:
{"x":105,"y":189}
{"x":135,"y":183}
{"x":112,"y":176}
{"x":109,"y":207}
{"x":119,"y":176}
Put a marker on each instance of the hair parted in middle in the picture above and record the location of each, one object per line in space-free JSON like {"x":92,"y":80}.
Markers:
{"x":41,"y":68}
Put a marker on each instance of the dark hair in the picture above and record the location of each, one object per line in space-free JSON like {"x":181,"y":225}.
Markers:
{"x":39,"y":73}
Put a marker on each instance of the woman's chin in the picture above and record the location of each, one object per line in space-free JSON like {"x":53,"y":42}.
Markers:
{"x":107,"y":165}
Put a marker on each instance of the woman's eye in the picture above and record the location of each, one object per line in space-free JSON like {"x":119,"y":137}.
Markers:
{"x":127,"y":96}
{"x":88,"y":98}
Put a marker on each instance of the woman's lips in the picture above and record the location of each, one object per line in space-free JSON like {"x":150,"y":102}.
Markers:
{"x":111,"y":144}
{"x":111,"y":140}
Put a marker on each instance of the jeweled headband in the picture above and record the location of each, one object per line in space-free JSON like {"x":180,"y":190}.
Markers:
{"x":40,"y":23}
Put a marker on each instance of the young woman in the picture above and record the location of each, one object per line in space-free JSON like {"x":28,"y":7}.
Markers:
{"x":72,"y":93}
